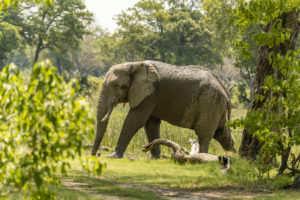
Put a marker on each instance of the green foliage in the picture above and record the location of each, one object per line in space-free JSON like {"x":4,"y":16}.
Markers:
{"x":5,"y":4}
{"x":276,"y":123}
{"x":225,"y":33}
{"x":58,"y":31}
{"x":86,"y":59}
{"x":9,"y":39}
{"x":166,"y":31}
{"x":243,"y":93}
{"x":42,"y":124}
{"x":281,"y":182}
{"x":59,"y":25}
{"x":249,"y":13}
{"x":19,"y":57}
{"x":89,"y":86}
{"x":217,"y":18}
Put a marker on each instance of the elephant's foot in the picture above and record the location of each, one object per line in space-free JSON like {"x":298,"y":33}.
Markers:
{"x":114,"y":155}
{"x":155,"y":153}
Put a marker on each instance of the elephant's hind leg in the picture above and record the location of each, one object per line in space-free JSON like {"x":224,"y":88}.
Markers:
{"x":152,"y":127}
{"x":205,"y":133}
{"x":223,"y":136}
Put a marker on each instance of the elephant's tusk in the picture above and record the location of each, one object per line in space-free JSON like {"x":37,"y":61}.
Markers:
{"x":106,"y":117}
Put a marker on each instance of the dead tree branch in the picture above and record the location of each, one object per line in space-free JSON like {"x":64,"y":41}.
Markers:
{"x":178,"y":156}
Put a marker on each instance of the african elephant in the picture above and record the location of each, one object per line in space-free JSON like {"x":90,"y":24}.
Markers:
{"x":186,"y":96}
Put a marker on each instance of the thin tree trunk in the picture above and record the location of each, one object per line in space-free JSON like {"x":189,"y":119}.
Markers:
{"x":1,"y":62}
{"x":284,"y":160}
{"x":37,"y":51}
{"x":250,"y":146}
{"x":58,"y":65}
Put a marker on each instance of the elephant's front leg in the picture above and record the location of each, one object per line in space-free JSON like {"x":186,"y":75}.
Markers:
{"x":135,"y":119}
{"x":152,"y":127}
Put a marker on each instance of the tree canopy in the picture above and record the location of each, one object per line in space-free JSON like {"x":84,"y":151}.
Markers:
{"x":166,"y":31}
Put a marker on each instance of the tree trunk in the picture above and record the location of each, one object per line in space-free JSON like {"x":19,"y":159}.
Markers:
{"x":1,"y":62}
{"x":284,"y":159}
{"x":37,"y":51}
{"x":250,"y":146}
{"x":58,"y":65}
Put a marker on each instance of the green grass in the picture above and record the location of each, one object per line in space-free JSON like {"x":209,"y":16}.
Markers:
{"x":279,"y":195}
{"x":166,"y":173}
{"x":129,"y":179}
{"x":122,"y":176}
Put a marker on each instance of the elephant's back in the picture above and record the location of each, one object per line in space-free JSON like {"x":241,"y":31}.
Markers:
{"x":192,"y":76}
{"x":184,"y":90}
{"x":186,"y":73}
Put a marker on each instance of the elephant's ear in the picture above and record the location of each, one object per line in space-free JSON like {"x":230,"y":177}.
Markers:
{"x":143,"y":76}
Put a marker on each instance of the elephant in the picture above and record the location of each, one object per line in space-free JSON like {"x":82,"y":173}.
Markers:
{"x":191,"y":97}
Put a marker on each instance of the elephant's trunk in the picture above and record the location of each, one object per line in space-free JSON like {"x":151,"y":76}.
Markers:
{"x":103,"y":113}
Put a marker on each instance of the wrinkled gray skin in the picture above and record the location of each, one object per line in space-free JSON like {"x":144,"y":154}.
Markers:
{"x":186,"y":96}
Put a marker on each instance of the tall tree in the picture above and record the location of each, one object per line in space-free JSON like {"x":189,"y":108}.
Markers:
{"x":277,"y":39}
{"x":55,"y":25}
{"x":141,"y":30}
{"x":172,"y":32}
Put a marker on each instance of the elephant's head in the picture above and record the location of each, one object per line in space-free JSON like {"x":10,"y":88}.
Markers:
{"x":128,"y":82}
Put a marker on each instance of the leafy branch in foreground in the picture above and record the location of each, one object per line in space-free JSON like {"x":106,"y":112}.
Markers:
{"x":42,"y":125}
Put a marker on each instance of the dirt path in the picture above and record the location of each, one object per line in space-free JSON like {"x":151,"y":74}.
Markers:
{"x":169,"y":193}
{"x":82,"y":187}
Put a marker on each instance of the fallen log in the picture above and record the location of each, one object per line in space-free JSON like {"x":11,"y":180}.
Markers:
{"x":178,"y":156}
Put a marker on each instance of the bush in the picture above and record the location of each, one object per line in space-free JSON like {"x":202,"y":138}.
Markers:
{"x":281,"y":182}
{"x":42,"y":124}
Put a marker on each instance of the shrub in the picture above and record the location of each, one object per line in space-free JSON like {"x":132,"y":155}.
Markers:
{"x":42,"y":125}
